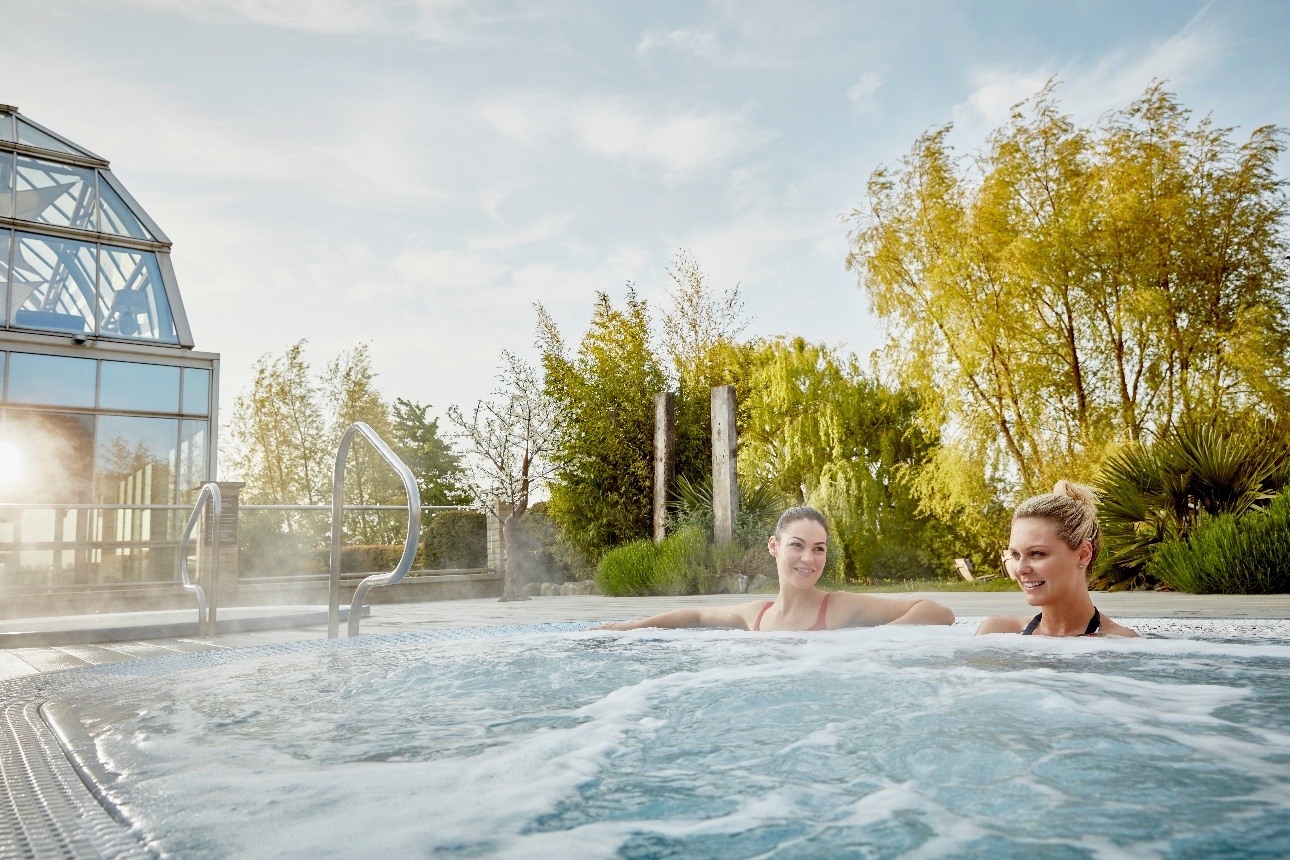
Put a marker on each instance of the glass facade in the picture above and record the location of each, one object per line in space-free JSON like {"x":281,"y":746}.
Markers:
{"x":99,"y":447}
{"x":107,"y":437}
{"x":139,"y":387}
{"x":51,"y":380}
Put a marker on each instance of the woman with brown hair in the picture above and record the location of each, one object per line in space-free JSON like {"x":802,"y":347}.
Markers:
{"x":800,"y":545}
{"x":1055,"y":540}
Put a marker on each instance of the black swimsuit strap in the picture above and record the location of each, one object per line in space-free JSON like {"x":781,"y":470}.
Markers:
{"x":1094,"y":624}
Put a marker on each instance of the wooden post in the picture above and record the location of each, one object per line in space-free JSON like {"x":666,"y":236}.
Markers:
{"x":664,"y":458}
{"x":725,"y":482}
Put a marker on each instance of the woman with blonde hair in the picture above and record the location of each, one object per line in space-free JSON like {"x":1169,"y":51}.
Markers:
{"x":1055,"y":540}
{"x":799,"y":545}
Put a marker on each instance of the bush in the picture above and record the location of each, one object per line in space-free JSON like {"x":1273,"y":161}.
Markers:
{"x":898,"y":562}
{"x":682,"y":564}
{"x":628,"y":570}
{"x":1230,"y":554}
{"x":455,"y":539}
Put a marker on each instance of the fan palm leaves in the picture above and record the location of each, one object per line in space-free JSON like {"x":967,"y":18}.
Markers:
{"x":1154,"y":493}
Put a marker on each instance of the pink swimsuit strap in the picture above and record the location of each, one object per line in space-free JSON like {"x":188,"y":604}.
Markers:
{"x":819,"y":619}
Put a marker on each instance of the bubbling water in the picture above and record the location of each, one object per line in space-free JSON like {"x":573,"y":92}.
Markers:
{"x":888,"y":742}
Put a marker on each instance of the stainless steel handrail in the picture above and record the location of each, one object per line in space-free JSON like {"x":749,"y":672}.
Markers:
{"x":209,"y":496}
{"x":337,"y":507}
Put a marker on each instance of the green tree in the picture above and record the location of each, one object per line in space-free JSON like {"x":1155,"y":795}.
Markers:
{"x":351,"y":395}
{"x":415,"y":438}
{"x":280,"y":437}
{"x":1072,"y":289}
{"x":601,"y":492}
{"x":820,"y":430}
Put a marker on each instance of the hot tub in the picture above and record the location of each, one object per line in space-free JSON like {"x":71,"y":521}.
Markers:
{"x":555,"y":741}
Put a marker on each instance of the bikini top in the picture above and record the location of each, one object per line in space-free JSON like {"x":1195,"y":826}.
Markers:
{"x":819,"y":619}
{"x":1094,"y":624}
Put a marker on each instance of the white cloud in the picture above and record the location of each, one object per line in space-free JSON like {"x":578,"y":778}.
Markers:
{"x":994,"y":92}
{"x":1088,"y":90}
{"x":526,"y":118}
{"x":431,"y":19}
{"x":319,"y":16}
{"x":677,"y":143}
{"x":862,"y":93}
{"x":542,"y":230}
{"x":700,"y":42}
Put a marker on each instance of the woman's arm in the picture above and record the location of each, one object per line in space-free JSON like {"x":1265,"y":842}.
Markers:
{"x":737,"y":617}
{"x":1002,"y":624}
{"x":863,"y":610}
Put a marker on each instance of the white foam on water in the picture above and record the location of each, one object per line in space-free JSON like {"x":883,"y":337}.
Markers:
{"x":920,"y":742}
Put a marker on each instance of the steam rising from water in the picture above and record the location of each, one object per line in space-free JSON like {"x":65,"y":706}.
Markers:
{"x":890,"y":742}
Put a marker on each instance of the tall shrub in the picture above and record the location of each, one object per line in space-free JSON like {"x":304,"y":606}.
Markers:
{"x":628,"y":570}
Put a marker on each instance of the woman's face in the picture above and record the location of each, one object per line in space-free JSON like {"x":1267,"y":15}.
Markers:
{"x":1043,"y":565}
{"x":800,"y":553}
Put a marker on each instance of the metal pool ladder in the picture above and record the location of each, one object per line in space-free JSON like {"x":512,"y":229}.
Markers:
{"x":337,"y":507}
{"x":208,"y":497}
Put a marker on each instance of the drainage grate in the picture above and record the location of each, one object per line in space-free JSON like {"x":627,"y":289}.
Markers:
{"x":46,"y":811}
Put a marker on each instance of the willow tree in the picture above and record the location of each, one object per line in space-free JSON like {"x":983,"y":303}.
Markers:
{"x":280,"y":435}
{"x":1071,"y":289}
{"x":818,"y":429}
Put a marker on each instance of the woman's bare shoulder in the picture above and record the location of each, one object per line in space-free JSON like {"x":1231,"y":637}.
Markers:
{"x":1111,"y":628}
{"x":1002,"y":624}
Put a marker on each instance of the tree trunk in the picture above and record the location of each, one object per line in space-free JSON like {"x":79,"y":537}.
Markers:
{"x":512,"y":575}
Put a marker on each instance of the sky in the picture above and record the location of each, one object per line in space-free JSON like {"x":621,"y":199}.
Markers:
{"x":415,"y":174}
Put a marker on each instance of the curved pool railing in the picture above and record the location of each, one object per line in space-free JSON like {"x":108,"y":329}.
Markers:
{"x":209,"y":497}
{"x":337,"y":507}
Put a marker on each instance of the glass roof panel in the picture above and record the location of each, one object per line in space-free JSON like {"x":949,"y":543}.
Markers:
{"x":132,"y":298}
{"x":116,"y":217}
{"x":33,"y":136}
{"x":6,"y":185}
{"x":6,"y":126}
{"x":57,"y":194}
{"x":4,"y":258}
{"x":53,"y":284}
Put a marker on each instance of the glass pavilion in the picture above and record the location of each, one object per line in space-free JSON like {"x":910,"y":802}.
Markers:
{"x":107,"y":415}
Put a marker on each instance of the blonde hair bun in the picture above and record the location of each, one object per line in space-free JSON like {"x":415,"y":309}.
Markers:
{"x":1081,"y":493}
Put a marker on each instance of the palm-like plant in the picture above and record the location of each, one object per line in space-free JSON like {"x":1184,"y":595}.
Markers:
{"x":759,"y":507}
{"x":1154,"y":493}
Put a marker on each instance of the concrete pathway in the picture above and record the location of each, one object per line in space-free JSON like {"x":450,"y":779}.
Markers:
{"x":394,"y":618}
